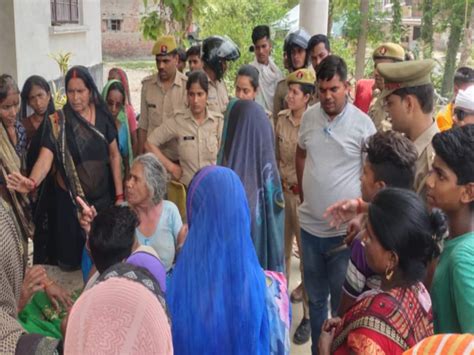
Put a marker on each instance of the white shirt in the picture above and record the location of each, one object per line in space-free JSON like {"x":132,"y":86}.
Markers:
{"x":333,"y":163}
{"x":269,"y":76}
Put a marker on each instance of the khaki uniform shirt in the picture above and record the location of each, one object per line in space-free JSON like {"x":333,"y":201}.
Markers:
{"x":286,"y":141}
{"x":279,"y":100}
{"x":217,"y":97}
{"x":377,"y":113}
{"x":158,"y":105}
{"x":425,"y":159}
{"x":197,"y":144}
{"x":272,"y":122}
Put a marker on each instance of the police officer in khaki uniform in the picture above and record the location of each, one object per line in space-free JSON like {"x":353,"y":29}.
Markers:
{"x":295,"y":47}
{"x":385,"y":53}
{"x":409,"y":100}
{"x":197,"y":130}
{"x":300,"y":90}
{"x":216,"y":52}
{"x":162,"y":94}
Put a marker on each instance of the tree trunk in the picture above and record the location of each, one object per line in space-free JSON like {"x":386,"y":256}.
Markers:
{"x":457,"y":21}
{"x":467,"y":45}
{"x":427,"y":29}
{"x":330,"y":12}
{"x":362,"y":39}
{"x":396,"y":21}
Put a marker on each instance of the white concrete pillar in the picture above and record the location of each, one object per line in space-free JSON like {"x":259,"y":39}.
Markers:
{"x":8,"y":64}
{"x":314,"y":16}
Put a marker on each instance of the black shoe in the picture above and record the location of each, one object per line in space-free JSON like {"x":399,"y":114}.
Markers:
{"x":303,"y":332}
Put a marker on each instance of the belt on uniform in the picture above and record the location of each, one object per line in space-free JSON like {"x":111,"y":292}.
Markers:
{"x":293,"y":188}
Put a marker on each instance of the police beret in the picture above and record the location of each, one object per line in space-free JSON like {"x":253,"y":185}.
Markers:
{"x":405,"y":74}
{"x":389,"y":51}
{"x":301,"y":76}
{"x":164,"y":45}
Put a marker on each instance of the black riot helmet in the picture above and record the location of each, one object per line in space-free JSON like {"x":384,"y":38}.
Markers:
{"x":215,"y":50}
{"x":298,"y":38}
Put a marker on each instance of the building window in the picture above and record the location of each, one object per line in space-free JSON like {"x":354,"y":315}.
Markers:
{"x":416,"y":32}
{"x":64,"y":11}
{"x":114,"y":25}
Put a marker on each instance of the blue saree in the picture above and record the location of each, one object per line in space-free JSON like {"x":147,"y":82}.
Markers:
{"x":249,"y":150}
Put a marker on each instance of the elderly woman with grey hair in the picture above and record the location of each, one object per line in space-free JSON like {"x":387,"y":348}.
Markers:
{"x":160,"y":222}
{"x":160,"y":225}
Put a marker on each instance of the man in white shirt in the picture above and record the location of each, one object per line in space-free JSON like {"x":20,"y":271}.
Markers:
{"x":328,"y":166}
{"x":269,"y":73}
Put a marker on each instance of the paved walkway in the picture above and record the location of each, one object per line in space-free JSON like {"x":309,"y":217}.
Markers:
{"x":297,"y":311}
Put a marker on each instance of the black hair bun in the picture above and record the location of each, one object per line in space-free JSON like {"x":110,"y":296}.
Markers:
{"x":439,"y":227}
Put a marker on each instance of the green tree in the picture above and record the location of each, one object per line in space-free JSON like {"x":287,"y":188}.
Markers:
{"x":467,"y":44}
{"x":427,"y":29}
{"x":169,"y":16}
{"x":236,"y":19}
{"x":396,"y":21}
{"x":362,"y":39}
{"x":349,"y":12}
{"x":456,"y":24}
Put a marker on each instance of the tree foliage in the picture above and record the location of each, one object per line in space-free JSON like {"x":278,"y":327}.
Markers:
{"x":169,"y":16}
{"x":466,"y":52}
{"x":236,"y":19}
{"x":362,"y":39}
{"x":396,"y":21}
{"x":349,"y":12}
{"x":427,"y":29}
{"x":457,"y":19}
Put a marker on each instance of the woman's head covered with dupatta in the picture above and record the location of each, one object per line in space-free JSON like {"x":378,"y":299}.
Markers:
{"x":217,"y":294}
{"x":249,"y":150}
{"x":119,"y":74}
{"x":118,"y":316}
{"x":81,"y":72}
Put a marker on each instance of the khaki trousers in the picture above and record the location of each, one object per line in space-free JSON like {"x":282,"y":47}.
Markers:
{"x":292,"y":229}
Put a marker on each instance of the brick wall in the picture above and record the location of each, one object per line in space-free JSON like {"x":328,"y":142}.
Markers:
{"x":128,"y":42}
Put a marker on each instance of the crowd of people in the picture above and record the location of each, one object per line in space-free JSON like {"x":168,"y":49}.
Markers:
{"x":184,"y":216}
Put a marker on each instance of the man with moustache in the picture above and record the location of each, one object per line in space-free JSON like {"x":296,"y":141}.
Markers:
{"x":162,"y":94}
{"x":328,"y":168}
{"x":385,"y":53}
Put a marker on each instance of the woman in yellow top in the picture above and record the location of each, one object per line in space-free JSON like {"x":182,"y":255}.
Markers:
{"x":196,"y":129}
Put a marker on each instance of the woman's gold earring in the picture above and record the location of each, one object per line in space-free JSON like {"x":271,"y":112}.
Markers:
{"x":388,"y":274}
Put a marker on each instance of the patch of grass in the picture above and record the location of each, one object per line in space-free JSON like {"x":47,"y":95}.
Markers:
{"x":136,"y":65}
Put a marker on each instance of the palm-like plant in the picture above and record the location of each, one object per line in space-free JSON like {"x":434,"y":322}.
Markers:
{"x":62,"y":59}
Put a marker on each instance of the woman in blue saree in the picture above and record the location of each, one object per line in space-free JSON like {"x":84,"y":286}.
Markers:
{"x":219,"y":298}
{"x":249,"y":150}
